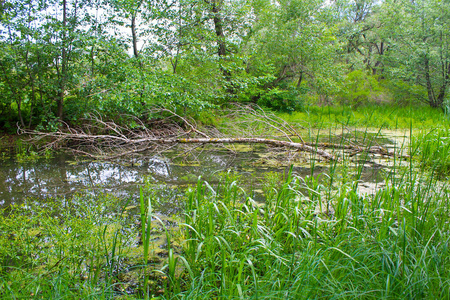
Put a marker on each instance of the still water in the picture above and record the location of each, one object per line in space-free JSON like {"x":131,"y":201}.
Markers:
{"x":64,"y":174}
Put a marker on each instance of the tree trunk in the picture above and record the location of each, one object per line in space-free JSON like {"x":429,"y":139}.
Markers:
{"x":442,"y":91}
{"x":134,"y":35}
{"x":378,"y":64}
{"x":62,"y":79}
{"x":431,"y":98}
{"x":33,"y":88}
{"x":218,"y":27}
{"x":300,"y":77}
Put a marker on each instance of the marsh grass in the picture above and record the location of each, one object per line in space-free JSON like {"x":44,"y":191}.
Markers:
{"x":314,"y":237}
{"x":146,"y":225}
{"x":432,"y":149}
{"x":391,"y":245}
{"x":51,"y":251}
{"x":372,"y":116}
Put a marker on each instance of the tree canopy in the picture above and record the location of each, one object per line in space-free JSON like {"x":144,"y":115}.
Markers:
{"x":63,"y":59}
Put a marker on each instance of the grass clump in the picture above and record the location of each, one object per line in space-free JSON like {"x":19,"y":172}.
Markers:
{"x":432,"y":149}
{"x":391,"y":245}
{"x":62,"y":249}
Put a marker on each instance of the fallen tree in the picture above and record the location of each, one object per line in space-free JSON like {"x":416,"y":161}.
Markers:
{"x":107,"y":140}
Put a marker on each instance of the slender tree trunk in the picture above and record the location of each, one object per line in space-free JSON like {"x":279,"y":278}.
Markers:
{"x":62,"y":79}
{"x":300,"y":78}
{"x":442,"y":91}
{"x":175,"y":62}
{"x":33,"y":89}
{"x":134,"y":36}
{"x":378,"y":64}
{"x":218,"y":27}
{"x":180,"y":34}
{"x":39,"y":83}
{"x":431,"y":98}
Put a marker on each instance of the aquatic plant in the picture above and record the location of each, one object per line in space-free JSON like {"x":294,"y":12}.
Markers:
{"x":388,"y":245}
{"x":317,"y":236}
{"x":432,"y":149}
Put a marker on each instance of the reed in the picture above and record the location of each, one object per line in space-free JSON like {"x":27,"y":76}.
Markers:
{"x":432,"y":149}
{"x":146,"y":225}
{"x":389,"y":245}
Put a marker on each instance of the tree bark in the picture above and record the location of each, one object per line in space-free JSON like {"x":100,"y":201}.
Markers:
{"x":134,"y":35}
{"x":443,"y":89}
{"x":431,"y":97}
{"x":33,"y":88}
{"x":300,"y":77}
{"x":62,"y":79}
{"x":218,"y":28}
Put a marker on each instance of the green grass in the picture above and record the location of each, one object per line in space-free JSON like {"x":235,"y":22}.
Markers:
{"x":60,"y":249}
{"x":432,"y":149}
{"x":392,"y":245}
{"x":372,"y":116}
{"x":315,"y":237}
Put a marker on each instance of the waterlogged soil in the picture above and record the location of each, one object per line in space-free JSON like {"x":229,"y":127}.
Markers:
{"x":64,"y":174}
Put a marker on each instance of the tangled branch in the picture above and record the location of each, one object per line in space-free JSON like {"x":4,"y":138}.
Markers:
{"x":108,"y":140}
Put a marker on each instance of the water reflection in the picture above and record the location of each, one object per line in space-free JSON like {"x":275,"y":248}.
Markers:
{"x":62,"y":175}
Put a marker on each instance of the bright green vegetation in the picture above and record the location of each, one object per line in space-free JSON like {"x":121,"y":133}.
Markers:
{"x":64,"y":60}
{"x":314,"y":237}
{"x":370,"y":116}
{"x":310,"y":241}
{"x":88,"y":247}
{"x":63,"y":248}
{"x":341,"y":64}
{"x":432,"y":147}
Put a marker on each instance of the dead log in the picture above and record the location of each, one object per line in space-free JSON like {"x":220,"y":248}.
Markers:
{"x":298,"y":146}
{"x":107,"y":140}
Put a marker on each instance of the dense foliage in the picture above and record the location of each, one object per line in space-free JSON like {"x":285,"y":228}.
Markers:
{"x":63,"y":59}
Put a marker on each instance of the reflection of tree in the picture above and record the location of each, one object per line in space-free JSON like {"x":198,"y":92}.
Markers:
{"x":62,"y":167}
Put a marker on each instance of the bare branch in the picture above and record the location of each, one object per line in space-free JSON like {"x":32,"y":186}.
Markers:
{"x":108,"y":140}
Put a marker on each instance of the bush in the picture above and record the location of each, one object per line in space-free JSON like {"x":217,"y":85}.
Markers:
{"x":359,"y":88}
{"x":404,"y":93}
{"x":288,"y":100}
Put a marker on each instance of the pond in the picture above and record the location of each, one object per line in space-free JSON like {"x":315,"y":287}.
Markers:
{"x":65,"y":206}
{"x":65,"y":174}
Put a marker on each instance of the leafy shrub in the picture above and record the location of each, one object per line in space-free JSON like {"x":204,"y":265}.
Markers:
{"x":288,"y":100}
{"x":404,"y":93}
{"x":358,"y":88}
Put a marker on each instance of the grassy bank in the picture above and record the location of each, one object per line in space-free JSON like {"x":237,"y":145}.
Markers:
{"x":372,"y":116}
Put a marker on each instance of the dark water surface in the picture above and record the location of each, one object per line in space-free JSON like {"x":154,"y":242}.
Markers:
{"x":64,"y":174}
